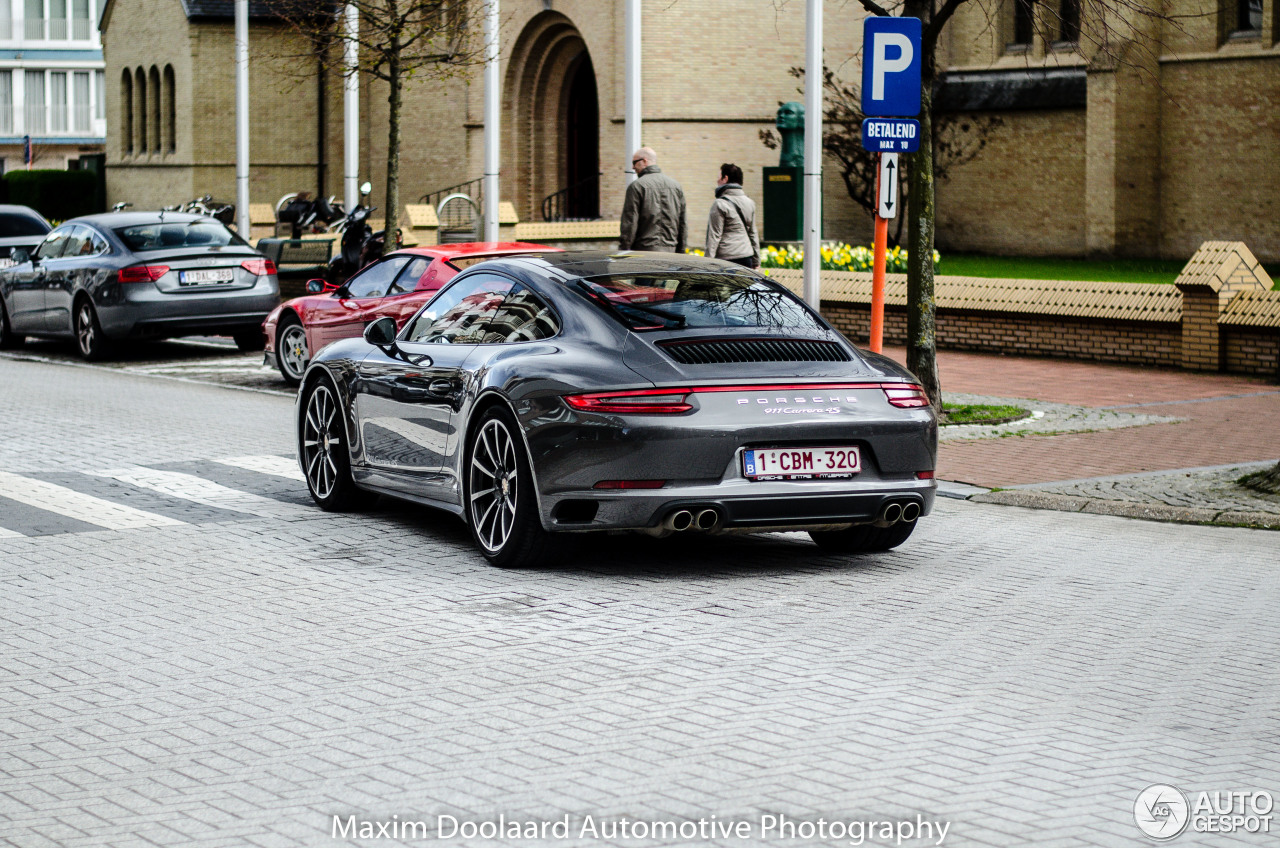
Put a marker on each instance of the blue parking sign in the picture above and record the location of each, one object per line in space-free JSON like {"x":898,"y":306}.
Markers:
{"x":891,"y":64}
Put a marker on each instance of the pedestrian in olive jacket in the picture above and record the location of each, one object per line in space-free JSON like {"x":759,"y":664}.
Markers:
{"x":653,"y":212}
{"x":731,"y":227}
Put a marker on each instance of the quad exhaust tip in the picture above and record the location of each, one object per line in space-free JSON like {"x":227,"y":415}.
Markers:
{"x":680,"y":520}
{"x":685,"y":519}
{"x":910,"y":511}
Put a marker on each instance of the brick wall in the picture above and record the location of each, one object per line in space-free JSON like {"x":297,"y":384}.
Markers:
{"x":1252,"y":351}
{"x":1188,"y":325}
{"x":1132,"y":343}
{"x":1033,"y":169}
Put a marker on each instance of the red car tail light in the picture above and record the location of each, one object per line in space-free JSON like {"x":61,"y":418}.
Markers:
{"x":637,"y":402}
{"x":259,"y":267}
{"x":924,"y":475}
{"x":630,"y":484}
{"x":142,"y":273}
{"x":906,"y":396}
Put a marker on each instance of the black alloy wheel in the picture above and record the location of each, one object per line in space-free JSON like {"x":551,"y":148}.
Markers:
{"x":501,"y":506}
{"x":326,"y":459}
{"x":863,"y":538}
{"x":8,"y":339}
{"x":292,"y":354}
{"x":90,"y":339}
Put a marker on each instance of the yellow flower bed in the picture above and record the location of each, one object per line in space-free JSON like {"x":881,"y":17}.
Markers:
{"x":835,"y":257}
{"x":839,"y":257}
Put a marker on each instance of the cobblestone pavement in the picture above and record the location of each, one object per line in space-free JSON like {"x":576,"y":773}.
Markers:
{"x":216,"y":676}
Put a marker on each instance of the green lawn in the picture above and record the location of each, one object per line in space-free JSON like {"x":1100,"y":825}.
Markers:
{"x":1047,"y":268}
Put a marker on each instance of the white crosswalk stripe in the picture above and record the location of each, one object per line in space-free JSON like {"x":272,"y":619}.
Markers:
{"x":277,"y":466}
{"x":72,"y":504}
{"x":189,"y":487}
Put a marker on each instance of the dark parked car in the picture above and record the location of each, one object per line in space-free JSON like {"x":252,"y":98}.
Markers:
{"x":543,"y":395}
{"x":20,"y":227}
{"x":116,"y":276}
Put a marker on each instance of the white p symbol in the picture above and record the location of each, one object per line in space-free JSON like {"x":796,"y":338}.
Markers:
{"x":881,"y":64}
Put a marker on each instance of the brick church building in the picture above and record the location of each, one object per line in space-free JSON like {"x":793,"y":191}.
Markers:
{"x":1151,"y":156}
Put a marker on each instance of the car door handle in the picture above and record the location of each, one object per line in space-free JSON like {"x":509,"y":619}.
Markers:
{"x":410,"y":394}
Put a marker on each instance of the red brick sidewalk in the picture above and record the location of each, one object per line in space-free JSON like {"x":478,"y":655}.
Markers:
{"x":1229,"y":419}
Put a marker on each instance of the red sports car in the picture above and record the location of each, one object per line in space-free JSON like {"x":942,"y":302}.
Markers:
{"x":396,"y":285}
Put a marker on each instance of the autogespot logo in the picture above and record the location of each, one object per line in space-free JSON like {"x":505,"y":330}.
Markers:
{"x":1161,"y":811}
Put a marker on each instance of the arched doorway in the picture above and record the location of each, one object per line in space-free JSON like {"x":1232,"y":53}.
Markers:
{"x":582,"y":143}
{"x":551,"y":127}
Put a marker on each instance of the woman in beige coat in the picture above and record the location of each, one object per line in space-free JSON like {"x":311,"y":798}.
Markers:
{"x":731,"y":227}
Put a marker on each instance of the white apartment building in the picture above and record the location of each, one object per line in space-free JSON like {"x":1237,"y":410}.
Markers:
{"x":51,"y":82}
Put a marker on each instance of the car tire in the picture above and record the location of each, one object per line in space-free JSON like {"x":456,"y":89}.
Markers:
{"x":326,"y":457}
{"x":499,"y":497}
{"x":249,"y":341}
{"x":292,"y":354}
{"x":90,"y":340}
{"x":8,"y":339}
{"x":863,"y":538}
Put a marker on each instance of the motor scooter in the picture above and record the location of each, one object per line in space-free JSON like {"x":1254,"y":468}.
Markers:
{"x":359,"y":245}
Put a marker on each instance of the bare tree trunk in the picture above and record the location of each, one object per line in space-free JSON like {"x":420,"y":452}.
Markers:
{"x":922,"y":352}
{"x":393,"y":156}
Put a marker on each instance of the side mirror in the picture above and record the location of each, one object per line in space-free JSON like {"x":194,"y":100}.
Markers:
{"x":20,"y":255}
{"x":365,"y":188}
{"x":318,"y":286}
{"x":381,"y":333}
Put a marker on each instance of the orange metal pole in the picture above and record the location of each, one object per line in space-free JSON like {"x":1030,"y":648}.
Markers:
{"x":877,"y":271}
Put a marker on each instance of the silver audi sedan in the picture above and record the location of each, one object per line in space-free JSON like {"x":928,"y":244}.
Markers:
{"x":106,"y":278}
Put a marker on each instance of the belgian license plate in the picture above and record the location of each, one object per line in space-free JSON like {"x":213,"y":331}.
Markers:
{"x":206,"y":277}
{"x":801,"y":463}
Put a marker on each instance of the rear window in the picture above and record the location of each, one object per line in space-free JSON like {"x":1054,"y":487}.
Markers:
{"x":13,"y":226}
{"x":178,"y":234}
{"x":697,"y":301}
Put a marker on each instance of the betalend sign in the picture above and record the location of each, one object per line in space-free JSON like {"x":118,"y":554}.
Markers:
{"x":891,"y":135}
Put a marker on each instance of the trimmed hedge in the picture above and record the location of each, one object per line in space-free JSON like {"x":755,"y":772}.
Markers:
{"x":57,"y":195}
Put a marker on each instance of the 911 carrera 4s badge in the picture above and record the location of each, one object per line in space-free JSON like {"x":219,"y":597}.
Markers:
{"x":799,"y":404}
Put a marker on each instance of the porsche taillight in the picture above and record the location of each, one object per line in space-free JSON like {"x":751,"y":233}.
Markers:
{"x":142,"y":273}
{"x":637,"y":402}
{"x":906,"y":396}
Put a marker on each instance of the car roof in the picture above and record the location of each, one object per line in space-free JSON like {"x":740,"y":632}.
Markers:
{"x":598,"y":263}
{"x":479,"y":248}
{"x":18,"y":209}
{"x":111,"y":220}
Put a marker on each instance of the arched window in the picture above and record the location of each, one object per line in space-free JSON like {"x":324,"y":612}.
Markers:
{"x":140,"y":109}
{"x":1069,"y":21}
{"x":1024,"y":18}
{"x":153,"y":119}
{"x":126,"y":110}
{"x":170,"y":103}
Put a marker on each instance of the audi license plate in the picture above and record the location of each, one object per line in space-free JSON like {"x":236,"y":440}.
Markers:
{"x":206,"y":277}
{"x":801,"y":463}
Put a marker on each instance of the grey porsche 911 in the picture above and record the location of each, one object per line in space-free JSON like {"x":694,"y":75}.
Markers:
{"x":546,"y":395}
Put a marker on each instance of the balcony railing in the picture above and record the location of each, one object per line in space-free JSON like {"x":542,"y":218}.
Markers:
{"x":46,"y":29}
{"x":35,"y":119}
